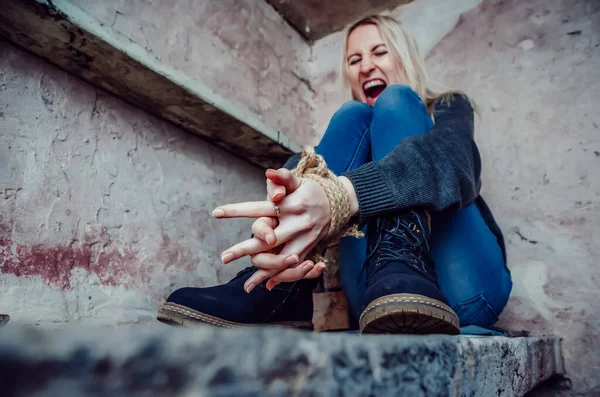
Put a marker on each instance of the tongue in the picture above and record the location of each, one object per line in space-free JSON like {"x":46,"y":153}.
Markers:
{"x":374,"y":92}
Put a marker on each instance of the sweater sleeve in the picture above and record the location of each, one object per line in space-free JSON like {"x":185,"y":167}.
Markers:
{"x":438,"y":170}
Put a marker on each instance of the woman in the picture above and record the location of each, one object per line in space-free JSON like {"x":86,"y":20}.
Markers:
{"x":432,"y":257}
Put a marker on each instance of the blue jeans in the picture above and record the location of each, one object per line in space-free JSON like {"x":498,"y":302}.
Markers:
{"x":468,"y":260}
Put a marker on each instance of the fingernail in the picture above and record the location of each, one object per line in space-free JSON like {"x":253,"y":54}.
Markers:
{"x":291,"y":260}
{"x":308,"y":267}
{"x":226,"y":257}
{"x":278,"y":197}
{"x":249,"y":287}
{"x":270,"y":240}
{"x":218,"y":213}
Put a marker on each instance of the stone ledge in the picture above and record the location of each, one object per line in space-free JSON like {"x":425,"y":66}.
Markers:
{"x":268,"y":362}
{"x":75,"y":41}
{"x":315,"y":20}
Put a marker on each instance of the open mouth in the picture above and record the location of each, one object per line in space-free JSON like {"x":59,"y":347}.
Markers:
{"x":373,"y":89}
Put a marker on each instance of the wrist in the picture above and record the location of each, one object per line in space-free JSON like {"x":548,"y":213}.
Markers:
{"x":351,"y":193}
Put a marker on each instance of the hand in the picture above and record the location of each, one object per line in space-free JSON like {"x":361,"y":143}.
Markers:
{"x":264,"y":227}
{"x":278,"y":183}
{"x":304,"y":220}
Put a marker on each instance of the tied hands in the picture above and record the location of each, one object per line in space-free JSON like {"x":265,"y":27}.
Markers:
{"x":289,"y":224}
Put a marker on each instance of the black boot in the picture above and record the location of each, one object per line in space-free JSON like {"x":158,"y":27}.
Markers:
{"x":228,"y":305}
{"x":402,"y":295}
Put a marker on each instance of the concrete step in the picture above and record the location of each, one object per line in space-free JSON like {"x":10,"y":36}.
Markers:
{"x":74,"y":40}
{"x":315,"y":20}
{"x":267,"y":362}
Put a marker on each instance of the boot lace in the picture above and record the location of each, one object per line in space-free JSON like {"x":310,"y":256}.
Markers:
{"x":409,"y":234}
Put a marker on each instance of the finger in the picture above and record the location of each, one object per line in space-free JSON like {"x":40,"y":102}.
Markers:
{"x":247,"y":247}
{"x":287,"y":229}
{"x":258,"y":277}
{"x":288,"y":251}
{"x":274,"y":191}
{"x":300,"y":245}
{"x":270,"y":261}
{"x":316,"y":271}
{"x":284,"y":177}
{"x":250,"y":209}
{"x":274,"y":261}
{"x":263,"y":227}
{"x":294,"y":274}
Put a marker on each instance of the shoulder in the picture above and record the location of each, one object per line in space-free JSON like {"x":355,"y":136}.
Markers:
{"x":453,"y":99}
{"x":456,"y":103}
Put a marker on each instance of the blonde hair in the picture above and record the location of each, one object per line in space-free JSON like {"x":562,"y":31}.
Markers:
{"x":404,"y":48}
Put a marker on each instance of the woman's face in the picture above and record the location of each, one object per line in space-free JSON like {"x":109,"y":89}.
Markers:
{"x":371,"y":67}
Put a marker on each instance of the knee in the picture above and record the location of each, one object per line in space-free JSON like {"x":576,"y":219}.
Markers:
{"x":355,"y":112}
{"x":397,"y":97}
{"x":483,"y":309}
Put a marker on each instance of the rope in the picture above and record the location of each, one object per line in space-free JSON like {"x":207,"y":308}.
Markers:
{"x":313,"y":166}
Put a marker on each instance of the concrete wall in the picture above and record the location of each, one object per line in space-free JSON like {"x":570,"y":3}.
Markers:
{"x":533,"y":67}
{"x":242,"y":49}
{"x":104,"y":209}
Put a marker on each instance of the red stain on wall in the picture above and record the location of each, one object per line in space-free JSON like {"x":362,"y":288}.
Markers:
{"x":113,"y":267}
{"x":54,"y":264}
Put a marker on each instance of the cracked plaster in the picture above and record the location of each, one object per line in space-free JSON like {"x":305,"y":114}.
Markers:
{"x":103,"y":203}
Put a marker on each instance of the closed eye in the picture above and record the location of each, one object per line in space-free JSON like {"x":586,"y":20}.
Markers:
{"x":381,"y":53}
{"x":354,"y":61}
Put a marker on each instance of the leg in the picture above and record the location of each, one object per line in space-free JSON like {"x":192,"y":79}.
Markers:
{"x":468,"y":259}
{"x":398,"y":113}
{"x":470,"y":266}
{"x":346,"y":145}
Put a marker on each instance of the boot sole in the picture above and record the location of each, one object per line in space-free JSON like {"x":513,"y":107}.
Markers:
{"x":174,"y":314}
{"x":408,"y":314}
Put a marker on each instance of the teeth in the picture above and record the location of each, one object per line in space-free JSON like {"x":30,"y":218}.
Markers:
{"x":373,"y":83}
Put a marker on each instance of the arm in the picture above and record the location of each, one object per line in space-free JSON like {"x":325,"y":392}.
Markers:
{"x":438,"y":170}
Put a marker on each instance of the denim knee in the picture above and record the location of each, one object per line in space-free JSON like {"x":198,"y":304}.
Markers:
{"x":354,"y":111}
{"x":398,"y":97}
{"x":483,"y":309}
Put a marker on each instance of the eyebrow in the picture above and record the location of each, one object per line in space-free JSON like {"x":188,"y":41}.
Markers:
{"x":373,"y":48}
